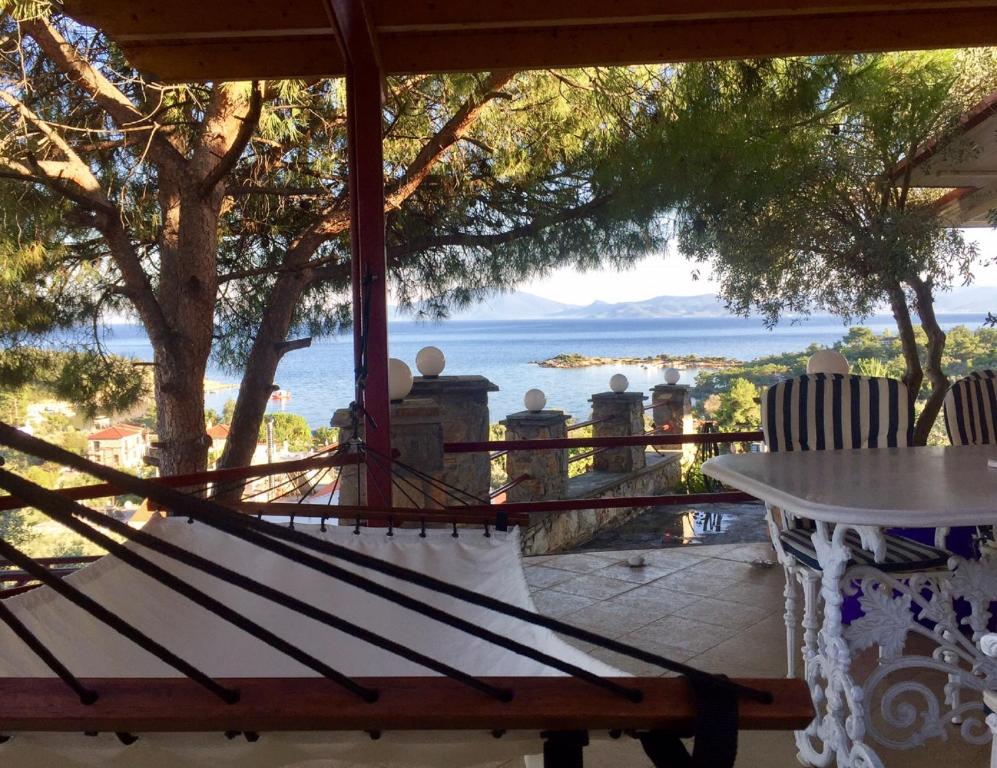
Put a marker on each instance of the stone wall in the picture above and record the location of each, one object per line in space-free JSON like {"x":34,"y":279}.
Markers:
{"x":554,"y":532}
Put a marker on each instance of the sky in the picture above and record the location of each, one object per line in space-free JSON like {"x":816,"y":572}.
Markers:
{"x":671,"y":275}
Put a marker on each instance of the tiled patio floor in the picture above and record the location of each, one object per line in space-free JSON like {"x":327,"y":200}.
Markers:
{"x":716,"y":607}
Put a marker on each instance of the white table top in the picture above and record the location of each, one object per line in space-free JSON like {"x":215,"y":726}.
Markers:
{"x":910,"y":487}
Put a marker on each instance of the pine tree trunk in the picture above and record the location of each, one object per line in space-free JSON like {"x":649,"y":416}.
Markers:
{"x":261,"y":367}
{"x":187,"y":289}
{"x":183,"y":441}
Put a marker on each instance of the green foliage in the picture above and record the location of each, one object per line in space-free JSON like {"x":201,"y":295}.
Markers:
{"x":289,"y":428}
{"x":738,"y":409}
{"x":227,"y":411}
{"x":499,"y":476}
{"x":14,"y":527}
{"x":580,"y":466}
{"x":869,"y":366}
{"x":325,"y":436}
{"x":786,"y":181}
{"x":91,"y":381}
{"x":726,"y":396}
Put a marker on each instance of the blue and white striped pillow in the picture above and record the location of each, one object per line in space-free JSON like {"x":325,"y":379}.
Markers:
{"x":820,"y":411}
{"x":971,"y":409}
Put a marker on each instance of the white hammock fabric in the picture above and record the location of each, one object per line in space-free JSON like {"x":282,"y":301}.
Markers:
{"x":489,"y":565}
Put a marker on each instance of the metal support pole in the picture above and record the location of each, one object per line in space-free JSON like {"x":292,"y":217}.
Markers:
{"x":563,"y":749}
{"x":370,"y":294}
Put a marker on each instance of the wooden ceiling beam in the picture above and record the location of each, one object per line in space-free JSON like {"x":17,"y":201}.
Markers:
{"x":199,"y":61}
{"x":468,"y":50}
{"x":539,"y":48}
{"x":192,"y":19}
{"x":152,"y":19}
{"x":404,"y":15}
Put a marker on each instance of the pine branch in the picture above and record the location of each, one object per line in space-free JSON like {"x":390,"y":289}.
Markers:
{"x":452,"y":131}
{"x":84,"y":75}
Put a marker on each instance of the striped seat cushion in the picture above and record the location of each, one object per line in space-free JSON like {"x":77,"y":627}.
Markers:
{"x":902,"y":554}
{"x":971,"y":410}
{"x":820,"y":411}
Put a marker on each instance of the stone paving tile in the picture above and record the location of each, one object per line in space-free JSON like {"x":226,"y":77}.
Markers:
{"x":655,"y":600}
{"x":540,"y":576}
{"x":767,"y":596}
{"x":695,"y":583}
{"x":610,"y":618}
{"x":677,"y":632}
{"x":536,"y":559}
{"x":558,"y":604}
{"x":577,"y":563}
{"x":636,"y":666}
{"x":758,"y":651}
{"x":721,"y":613}
{"x":746,"y":553}
{"x":643,"y":574}
{"x":594,"y":586}
{"x":736,"y":570}
{"x":615,"y":555}
{"x":672,"y":559}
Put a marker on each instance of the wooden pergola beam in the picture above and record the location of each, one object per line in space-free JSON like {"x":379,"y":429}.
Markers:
{"x":405,"y":703}
{"x":185,"y":40}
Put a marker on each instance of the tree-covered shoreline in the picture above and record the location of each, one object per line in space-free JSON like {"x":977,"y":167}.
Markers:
{"x":729,"y":396}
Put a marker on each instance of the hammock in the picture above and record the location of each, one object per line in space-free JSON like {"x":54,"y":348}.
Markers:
{"x":240,"y":609}
{"x":489,"y":565}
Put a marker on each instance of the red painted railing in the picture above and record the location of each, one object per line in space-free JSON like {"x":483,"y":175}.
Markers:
{"x":502,"y":489}
{"x":696,"y":438}
{"x":103,"y":490}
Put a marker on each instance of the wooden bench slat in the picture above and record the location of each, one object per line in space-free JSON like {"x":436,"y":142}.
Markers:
{"x":406,"y":703}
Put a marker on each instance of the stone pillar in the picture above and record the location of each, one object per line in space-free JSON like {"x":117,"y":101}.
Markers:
{"x":417,"y":440}
{"x":548,"y":469}
{"x":672,"y":409}
{"x":463,"y":403}
{"x":352,"y":483}
{"x":624,"y":416}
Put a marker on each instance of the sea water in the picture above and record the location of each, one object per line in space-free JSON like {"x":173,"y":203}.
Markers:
{"x":320,"y":378}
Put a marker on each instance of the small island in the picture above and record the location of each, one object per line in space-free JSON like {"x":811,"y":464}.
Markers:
{"x":574,"y":360}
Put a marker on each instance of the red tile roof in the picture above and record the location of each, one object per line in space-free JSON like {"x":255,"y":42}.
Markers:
{"x":218,"y":432}
{"x":116,"y":432}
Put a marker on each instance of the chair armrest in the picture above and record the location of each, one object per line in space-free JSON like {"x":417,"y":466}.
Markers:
{"x":988,"y":644}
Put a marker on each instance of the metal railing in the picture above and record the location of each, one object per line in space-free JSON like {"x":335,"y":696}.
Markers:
{"x":555,"y":443}
{"x":512,"y":512}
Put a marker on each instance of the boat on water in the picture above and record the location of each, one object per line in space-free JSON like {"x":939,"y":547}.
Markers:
{"x":281,"y":395}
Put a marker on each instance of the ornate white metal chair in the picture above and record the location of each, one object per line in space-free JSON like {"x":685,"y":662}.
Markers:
{"x":971,"y":419}
{"x":822,"y":412}
{"x":989,"y":646}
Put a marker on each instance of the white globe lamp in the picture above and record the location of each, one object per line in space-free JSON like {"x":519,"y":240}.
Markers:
{"x":619,"y":383}
{"x":535,"y":400}
{"x":827,"y":361}
{"x":399,"y":379}
{"x":430,"y":361}
{"x":672,"y":376}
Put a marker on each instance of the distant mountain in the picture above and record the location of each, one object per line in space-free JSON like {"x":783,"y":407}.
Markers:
{"x":518,"y":305}
{"x":701,"y":305}
{"x":973,"y":299}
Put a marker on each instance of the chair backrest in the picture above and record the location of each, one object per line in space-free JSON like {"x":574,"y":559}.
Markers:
{"x":821,"y":411}
{"x":971,"y":409}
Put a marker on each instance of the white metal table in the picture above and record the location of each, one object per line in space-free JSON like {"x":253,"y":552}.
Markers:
{"x":865,"y":491}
